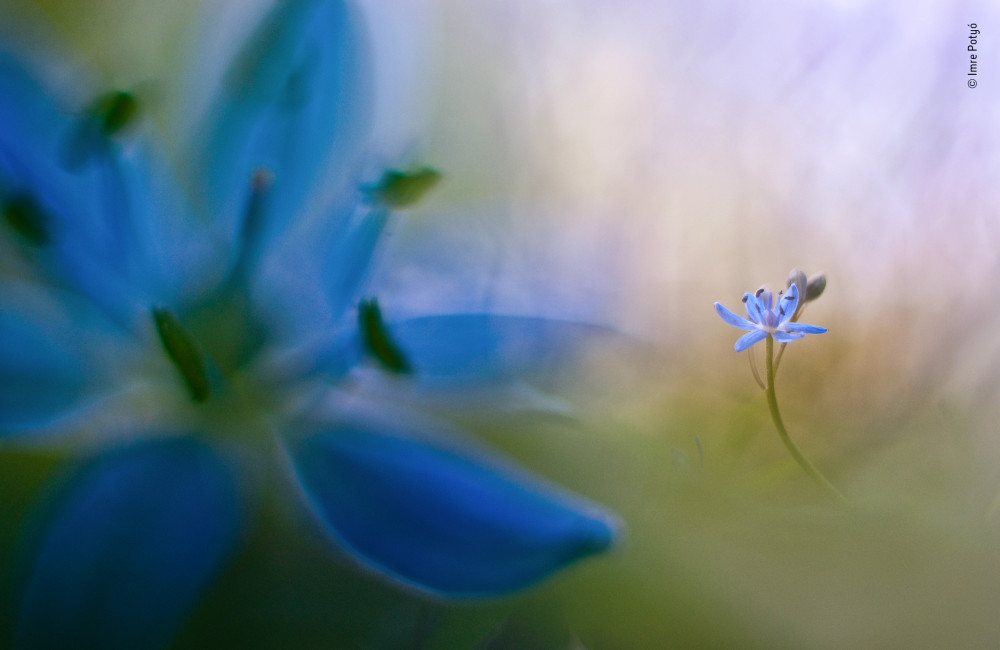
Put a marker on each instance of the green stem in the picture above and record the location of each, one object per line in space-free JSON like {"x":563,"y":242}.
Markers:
{"x":772,"y":403}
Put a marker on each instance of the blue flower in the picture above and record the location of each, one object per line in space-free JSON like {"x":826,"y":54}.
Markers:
{"x":767,"y":318}
{"x":193,"y":334}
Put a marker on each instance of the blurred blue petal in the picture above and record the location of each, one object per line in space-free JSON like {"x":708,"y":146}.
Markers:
{"x":295,"y":102}
{"x":349,"y":258}
{"x":44,"y":369}
{"x":445,"y":521}
{"x":131,"y":543}
{"x":470,"y":347}
{"x":84,"y":210}
{"x":41,"y":377}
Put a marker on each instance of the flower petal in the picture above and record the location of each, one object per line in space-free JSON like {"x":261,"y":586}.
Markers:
{"x":349,"y":258}
{"x":788,"y":303}
{"x":784,"y":337}
{"x":452,"y":523}
{"x":754,"y":310}
{"x":44,"y":369}
{"x":76,"y":217}
{"x":319,"y":274}
{"x":748,"y":339}
{"x":40,"y":378}
{"x":296,"y":96}
{"x":132,"y":541}
{"x":464,"y":347}
{"x":733,"y":319}
{"x":766,"y":300}
{"x":804,"y":328}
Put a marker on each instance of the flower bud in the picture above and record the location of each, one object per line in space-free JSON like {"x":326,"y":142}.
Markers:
{"x":798,"y":278}
{"x":815,"y":287}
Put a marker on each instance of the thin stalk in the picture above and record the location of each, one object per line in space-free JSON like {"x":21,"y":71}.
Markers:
{"x":772,"y":403}
{"x":753,"y":367}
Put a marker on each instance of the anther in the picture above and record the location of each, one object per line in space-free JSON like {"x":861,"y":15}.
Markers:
{"x":377,"y":340}
{"x":252,"y":228}
{"x":115,"y":110}
{"x":402,"y":189}
{"x":182,"y":349}
{"x":107,"y":116}
{"x":25,"y":217}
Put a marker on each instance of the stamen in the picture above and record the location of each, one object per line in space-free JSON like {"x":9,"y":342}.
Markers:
{"x":402,"y":189}
{"x":744,"y":299}
{"x":115,"y":110}
{"x":106,"y":116}
{"x":182,"y":349}
{"x":377,"y":340}
{"x":252,"y":228}
{"x":759,"y":292}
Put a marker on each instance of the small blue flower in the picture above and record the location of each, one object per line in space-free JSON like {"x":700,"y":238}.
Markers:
{"x":194,"y":336}
{"x":767,"y":318}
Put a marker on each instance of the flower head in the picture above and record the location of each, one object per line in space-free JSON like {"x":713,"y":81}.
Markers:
{"x":768,"y":318}
{"x":197,"y":331}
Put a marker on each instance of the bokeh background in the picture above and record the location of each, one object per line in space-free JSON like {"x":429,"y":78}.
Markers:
{"x":629,"y":164}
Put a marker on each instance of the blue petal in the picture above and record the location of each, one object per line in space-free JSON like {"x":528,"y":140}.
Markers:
{"x":748,"y":339}
{"x":788,"y":303}
{"x":41,"y":377}
{"x":295,"y":98}
{"x":45,"y":336}
{"x":733,"y":319}
{"x":766,"y":300}
{"x":349,"y":260}
{"x":320,"y":273}
{"x":784,"y":337}
{"x":132,"y":541}
{"x":466,"y":347}
{"x":438,"y":520}
{"x":802,"y":327}
{"x":754,"y":310}
{"x":85,"y":210}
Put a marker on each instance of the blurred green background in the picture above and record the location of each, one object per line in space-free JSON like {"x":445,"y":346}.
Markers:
{"x":630,"y":165}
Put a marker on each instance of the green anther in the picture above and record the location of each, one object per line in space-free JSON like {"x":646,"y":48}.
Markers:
{"x":115,"y":110}
{"x":402,"y":189}
{"x":184,"y":352}
{"x":107,"y":116}
{"x":378,"y":341}
{"x":25,"y":217}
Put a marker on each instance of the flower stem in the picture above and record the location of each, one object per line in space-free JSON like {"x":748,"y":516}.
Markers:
{"x":772,"y":403}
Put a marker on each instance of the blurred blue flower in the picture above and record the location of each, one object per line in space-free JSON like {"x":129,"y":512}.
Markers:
{"x":767,"y":318}
{"x":190,"y":331}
